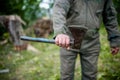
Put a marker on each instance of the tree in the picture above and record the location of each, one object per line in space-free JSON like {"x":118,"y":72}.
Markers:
{"x":27,"y":9}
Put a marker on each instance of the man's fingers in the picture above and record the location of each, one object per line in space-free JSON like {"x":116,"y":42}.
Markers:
{"x":62,"y":40}
{"x":115,"y":50}
{"x":68,"y":48}
{"x":67,"y":42}
{"x":57,"y":41}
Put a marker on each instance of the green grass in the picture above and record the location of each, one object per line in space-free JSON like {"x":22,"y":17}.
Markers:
{"x":45,"y":65}
{"x":108,"y":65}
{"x":31,"y":66}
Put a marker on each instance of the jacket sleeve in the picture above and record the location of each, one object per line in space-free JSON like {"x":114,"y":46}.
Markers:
{"x":111,"y":24}
{"x":60,"y":10}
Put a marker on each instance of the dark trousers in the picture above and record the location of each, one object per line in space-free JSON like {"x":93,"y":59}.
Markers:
{"x":88,"y":62}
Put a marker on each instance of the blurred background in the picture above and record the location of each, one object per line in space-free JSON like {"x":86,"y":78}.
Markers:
{"x":22,"y":60}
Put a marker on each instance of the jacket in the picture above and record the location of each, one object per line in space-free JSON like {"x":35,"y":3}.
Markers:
{"x":88,"y":14}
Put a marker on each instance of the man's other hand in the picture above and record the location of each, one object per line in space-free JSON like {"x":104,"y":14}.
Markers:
{"x":62,"y":40}
{"x":115,"y":50}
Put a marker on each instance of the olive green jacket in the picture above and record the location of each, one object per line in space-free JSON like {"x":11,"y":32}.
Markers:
{"x":88,"y":14}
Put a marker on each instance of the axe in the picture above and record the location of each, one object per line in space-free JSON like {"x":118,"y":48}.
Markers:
{"x":78,"y":34}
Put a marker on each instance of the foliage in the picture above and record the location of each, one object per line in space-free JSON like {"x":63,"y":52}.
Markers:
{"x":29,"y":65}
{"x":2,"y":30}
{"x":30,"y":9}
{"x":27,"y":9}
{"x":111,"y":68}
{"x":108,"y":64}
{"x":117,"y":6}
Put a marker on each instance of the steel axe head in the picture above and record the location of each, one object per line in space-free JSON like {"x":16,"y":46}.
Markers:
{"x":78,"y":34}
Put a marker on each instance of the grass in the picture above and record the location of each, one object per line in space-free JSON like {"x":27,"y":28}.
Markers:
{"x":108,"y":64}
{"x":45,"y":65}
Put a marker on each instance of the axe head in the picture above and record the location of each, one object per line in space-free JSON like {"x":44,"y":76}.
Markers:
{"x":78,"y":34}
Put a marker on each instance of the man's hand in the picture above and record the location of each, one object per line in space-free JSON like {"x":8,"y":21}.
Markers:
{"x":115,"y":50}
{"x":62,"y":40}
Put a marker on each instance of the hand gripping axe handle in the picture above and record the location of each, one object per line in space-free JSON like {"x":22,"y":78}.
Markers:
{"x":43,"y":40}
{"x":77,"y":33}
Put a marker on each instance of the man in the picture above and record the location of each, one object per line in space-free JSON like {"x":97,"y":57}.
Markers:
{"x":88,"y":14}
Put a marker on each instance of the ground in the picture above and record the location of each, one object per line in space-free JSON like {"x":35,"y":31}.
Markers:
{"x":28,"y":65}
